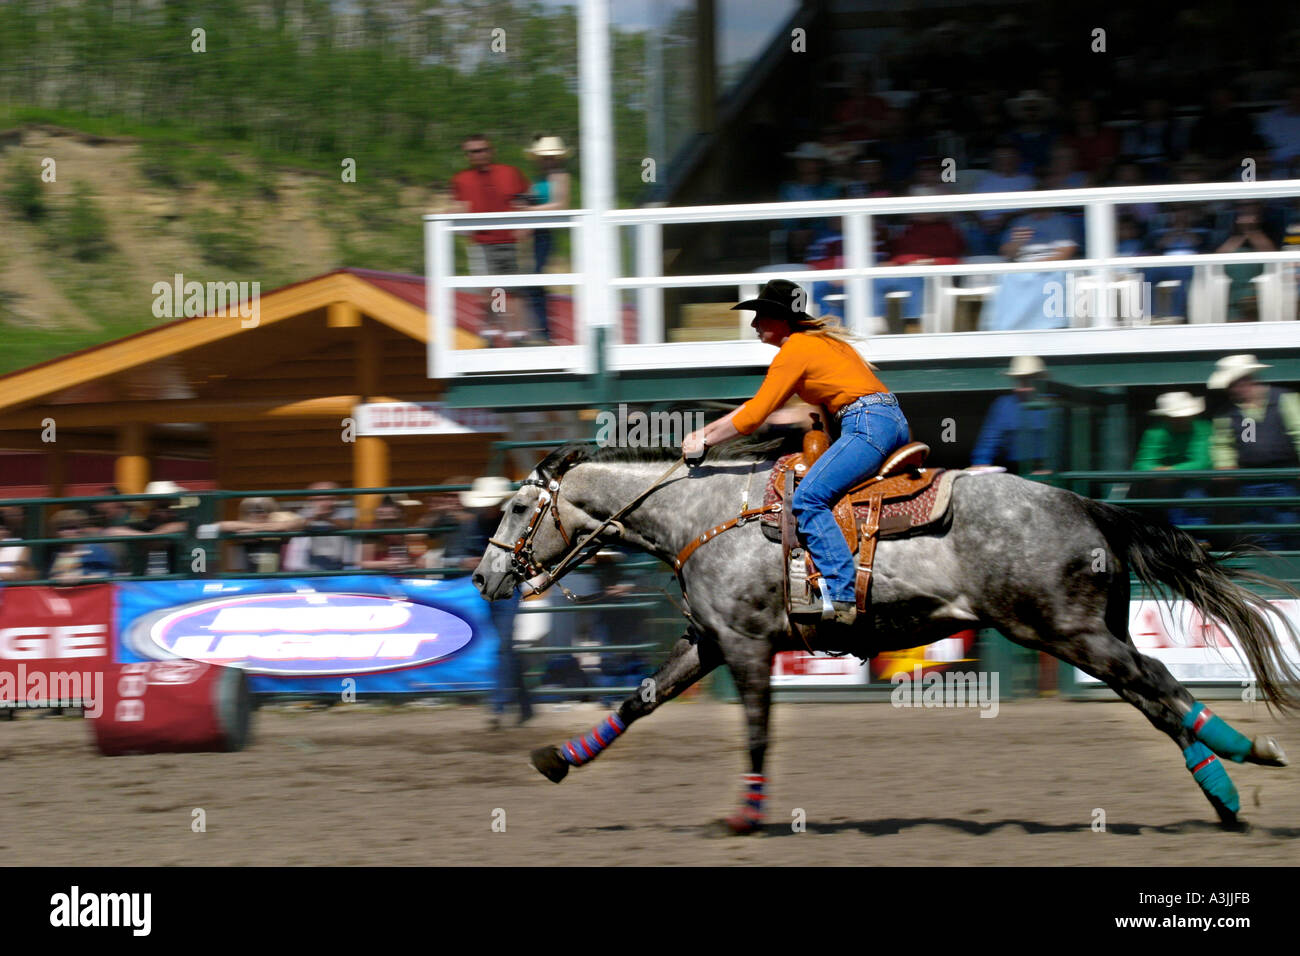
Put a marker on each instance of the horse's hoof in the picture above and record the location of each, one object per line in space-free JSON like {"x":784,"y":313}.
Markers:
{"x":1267,"y":751}
{"x":1232,"y":823}
{"x":550,"y":763}
{"x":1228,"y":819}
{"x":737,"y":825}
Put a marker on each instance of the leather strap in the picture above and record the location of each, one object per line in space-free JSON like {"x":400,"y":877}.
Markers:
{"x":867,"y":552}
{"x":789,"y":539}
{"x":716,"y":530}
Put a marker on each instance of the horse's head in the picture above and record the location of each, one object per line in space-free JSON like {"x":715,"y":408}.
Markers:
{"x":538,"y":528}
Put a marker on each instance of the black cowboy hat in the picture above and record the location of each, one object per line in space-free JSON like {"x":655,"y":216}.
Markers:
{"x":779,"y":299}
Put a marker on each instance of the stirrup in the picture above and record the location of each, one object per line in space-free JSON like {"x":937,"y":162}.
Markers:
{"x":811,"y":611}
{"x":816,"y":608}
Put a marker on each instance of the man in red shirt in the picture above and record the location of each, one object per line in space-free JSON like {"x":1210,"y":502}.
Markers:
{"x":491,"y":187}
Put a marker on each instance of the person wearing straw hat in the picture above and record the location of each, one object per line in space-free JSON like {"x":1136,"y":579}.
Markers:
{"x":1178,"y":441}
{"x":549,"y":191}
{"x":819,"y":363}
{"x":1257,"y":426}
{"x":483,"y":503}
{"x":162,"y":516}
{"x":1013,"y":436}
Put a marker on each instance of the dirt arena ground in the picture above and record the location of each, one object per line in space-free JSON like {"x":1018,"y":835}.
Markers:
{"x":878,"y":785}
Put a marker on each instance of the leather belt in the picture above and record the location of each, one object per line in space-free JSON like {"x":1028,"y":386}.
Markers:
{"x":875,"y":398}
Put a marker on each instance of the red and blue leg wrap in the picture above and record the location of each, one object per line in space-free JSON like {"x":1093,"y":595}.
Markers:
{"x":1208,"y":771}
{"x":586,"y":748}
{"x":751,"y":807}
{"x":1216,"y":734}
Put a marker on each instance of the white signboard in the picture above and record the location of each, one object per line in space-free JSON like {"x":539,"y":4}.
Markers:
{"x":1194,"y":649}
{"x":423,"y":418}
{"x":801,"y":669}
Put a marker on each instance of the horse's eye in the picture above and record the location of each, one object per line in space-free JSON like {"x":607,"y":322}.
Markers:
{"x":518,"y":509}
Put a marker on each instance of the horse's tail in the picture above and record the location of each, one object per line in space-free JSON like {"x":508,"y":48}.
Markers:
{"x":1168,"y":559}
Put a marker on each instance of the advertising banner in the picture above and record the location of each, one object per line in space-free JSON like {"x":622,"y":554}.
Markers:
{"x":423,"y":418}
{"x":802,"y":669}
{"x":1195,"y":650}
{"x":364,"y":634}
{"x":54,"y":643}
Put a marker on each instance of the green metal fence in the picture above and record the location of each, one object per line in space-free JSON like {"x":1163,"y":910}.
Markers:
{"x":661,"y":623}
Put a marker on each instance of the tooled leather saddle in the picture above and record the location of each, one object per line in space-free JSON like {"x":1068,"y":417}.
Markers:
{"x":903,"y":497}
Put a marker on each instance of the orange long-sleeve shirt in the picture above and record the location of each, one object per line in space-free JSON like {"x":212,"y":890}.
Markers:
{"x":821,"y":370}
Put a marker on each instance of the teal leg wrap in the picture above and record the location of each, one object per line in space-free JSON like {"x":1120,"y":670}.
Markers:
{"x":1216,"y":734}
{"x":1209,"y":773}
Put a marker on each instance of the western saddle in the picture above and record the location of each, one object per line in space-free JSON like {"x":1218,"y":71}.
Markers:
{"x":901,"y":497}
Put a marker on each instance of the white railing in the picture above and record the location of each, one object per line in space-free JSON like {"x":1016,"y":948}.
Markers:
{"x":1105,"y":327}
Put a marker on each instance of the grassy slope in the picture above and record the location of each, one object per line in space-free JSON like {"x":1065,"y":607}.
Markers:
{"x":207,"y":210}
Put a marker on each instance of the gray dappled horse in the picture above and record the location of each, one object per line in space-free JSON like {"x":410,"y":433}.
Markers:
{"x":1016,"y":555}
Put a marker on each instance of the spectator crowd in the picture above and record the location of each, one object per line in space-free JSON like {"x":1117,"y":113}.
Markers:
{"x":890,"y":142}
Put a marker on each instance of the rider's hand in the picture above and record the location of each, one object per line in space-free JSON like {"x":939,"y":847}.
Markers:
{"x":693,"y":447}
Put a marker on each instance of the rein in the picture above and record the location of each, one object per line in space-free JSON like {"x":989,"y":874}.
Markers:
{"x":538,"y":579}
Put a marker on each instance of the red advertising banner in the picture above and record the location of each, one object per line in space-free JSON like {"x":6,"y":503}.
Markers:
{"x":52,"y":643}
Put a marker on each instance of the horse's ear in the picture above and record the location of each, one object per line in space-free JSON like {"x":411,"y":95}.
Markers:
{"x":567,"y":462}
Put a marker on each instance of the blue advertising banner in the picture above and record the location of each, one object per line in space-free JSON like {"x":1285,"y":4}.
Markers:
{"x":307,"y":635}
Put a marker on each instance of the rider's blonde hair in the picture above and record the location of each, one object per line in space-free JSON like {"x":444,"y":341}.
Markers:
{"x":827,"y":327}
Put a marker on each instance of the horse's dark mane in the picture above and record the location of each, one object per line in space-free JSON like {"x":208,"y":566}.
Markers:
{"x":774,"y":443}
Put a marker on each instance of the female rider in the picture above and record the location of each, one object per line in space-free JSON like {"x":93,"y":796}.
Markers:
{"x":821,"y":365}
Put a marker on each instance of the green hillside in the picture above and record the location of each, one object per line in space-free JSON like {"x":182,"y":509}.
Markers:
{"x":209,"y":139}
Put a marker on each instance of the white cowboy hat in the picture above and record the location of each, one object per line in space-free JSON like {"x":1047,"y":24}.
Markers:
{"x":839,"y":153}
{"x":1023,"y":365}
{"x":163,"y":488}
{"x":808,"y":151}
{"x":486,"y":492}
{"x":1178,"y":405}
{"x":1232,"y":367}
{"x":548,"y":146}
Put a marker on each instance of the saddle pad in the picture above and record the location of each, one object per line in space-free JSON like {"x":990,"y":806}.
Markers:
{"x":898,"y":517}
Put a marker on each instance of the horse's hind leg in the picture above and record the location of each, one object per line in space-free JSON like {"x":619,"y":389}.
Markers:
{"x":1147,"y":684}
{"x":689,"y":660}
{"x":1212,"y":731}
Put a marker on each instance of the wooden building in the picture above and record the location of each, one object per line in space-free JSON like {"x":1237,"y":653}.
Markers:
{"x":208,"y":401}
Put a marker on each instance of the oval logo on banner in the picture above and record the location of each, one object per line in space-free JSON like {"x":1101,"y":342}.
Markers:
{"x":304,"y":635}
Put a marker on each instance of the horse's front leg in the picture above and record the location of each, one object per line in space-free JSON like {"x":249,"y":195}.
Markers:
{"x":690,"y":659}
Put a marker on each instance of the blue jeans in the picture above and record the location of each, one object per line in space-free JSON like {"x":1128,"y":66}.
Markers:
{"x":1273,"y":541}
{"x":537,"y":294}
{"x":868,"y":433}
{"x":510,"y":684}
{"x":1190,"y":517}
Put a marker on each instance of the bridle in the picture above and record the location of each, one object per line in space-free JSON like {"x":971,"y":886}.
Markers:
{"x":525,"y":566}
{"x":523,"y":562}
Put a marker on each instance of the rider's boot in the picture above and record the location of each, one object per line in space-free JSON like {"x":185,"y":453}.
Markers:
{"x":843,"y":612}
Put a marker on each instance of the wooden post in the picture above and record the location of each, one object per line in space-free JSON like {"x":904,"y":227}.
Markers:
{"x":369,"y":470}
{"x":369,"y":454}
{"x":131,"y":469}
